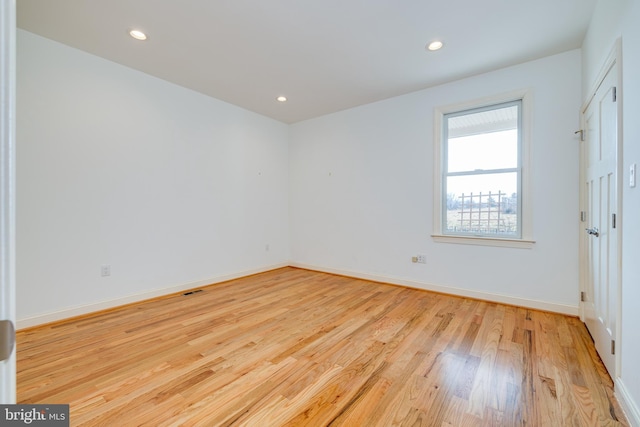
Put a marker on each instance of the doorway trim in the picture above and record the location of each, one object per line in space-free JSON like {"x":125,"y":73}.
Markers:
{"x":614,"y":58}
{"x":8,"y":197}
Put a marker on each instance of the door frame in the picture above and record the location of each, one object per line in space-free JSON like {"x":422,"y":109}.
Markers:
{"x":613,"y":59}
{"x":7,"y":188}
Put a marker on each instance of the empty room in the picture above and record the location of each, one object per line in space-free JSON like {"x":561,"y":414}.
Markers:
{"x":321,"y":213}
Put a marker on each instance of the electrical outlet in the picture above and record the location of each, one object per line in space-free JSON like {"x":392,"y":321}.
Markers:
{"x":266,"y":247}
{"x":419,"y":259}
{"x":105,"y":270}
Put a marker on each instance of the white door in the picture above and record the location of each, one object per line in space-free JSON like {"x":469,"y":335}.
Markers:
{"x":7,"y":202}
{"x":601,"y":224}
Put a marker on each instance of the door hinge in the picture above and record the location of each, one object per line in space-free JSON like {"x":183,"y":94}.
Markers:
{"x":613,"y":220}
{"x":583,"y":297}
{"x":614,"y":94}
{"x":583,"y":216}
{"x":613,"y":346}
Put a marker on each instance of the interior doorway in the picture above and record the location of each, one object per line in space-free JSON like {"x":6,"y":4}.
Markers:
{"x":600,"y":202}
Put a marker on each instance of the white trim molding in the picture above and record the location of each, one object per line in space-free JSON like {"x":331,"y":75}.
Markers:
{"x":129,"y":299}
{"x":8,"y":189}
{"x":484,"y":241}
{"x":629,"y":407}
{"x":614,"y":59}
{"x":526,"y":239}
{"x":466,"y":293}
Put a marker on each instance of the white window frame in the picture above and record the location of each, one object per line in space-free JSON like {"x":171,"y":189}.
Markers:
{"x":525,"y":240}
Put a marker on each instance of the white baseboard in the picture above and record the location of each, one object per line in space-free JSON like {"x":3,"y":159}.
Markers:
{"x":105,"y":305}
{"x":629,"y":406}
{"x":505,"y":299}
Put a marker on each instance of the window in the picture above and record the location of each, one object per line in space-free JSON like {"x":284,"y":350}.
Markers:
{"x":481,"y":179}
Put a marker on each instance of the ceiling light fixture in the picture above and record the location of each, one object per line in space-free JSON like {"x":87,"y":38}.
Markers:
{"x":436,"y":45}
{"x":281,"y":98}
{"x":138,"y":35}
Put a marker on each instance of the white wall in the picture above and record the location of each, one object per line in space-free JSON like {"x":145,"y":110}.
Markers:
{"x":612,"y":20}
{"x":361,"y":198}
{"x":170,"y":187}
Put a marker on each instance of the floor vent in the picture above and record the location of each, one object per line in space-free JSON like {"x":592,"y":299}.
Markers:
{"x":191,"y":292}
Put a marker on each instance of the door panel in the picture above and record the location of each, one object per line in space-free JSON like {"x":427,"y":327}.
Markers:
{"x":600,"y":201}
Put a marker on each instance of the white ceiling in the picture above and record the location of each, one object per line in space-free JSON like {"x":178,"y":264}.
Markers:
{"x":324,"y":55}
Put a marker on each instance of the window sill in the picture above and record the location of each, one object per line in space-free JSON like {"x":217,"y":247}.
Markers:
{"x":484,"y":241}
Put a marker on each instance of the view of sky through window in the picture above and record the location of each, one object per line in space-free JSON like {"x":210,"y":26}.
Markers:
{"x":486,"y":151}
{"x":482,"y":167}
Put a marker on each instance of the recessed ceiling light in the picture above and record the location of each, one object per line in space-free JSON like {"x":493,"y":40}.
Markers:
{"x":436,"y":45}
{"x":138,"y":35}
{"x":281,"y":98}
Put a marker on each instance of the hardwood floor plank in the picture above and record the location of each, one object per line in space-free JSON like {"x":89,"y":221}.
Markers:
{"x":293,"y":347}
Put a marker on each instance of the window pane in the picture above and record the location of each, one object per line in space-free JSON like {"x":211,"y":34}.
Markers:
{"x":482,"y":204}
{"x":486,"y":151}
{"x":481,"y":171}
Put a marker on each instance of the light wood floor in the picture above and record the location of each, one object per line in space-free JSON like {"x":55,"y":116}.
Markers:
{"x":293,"y":347}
